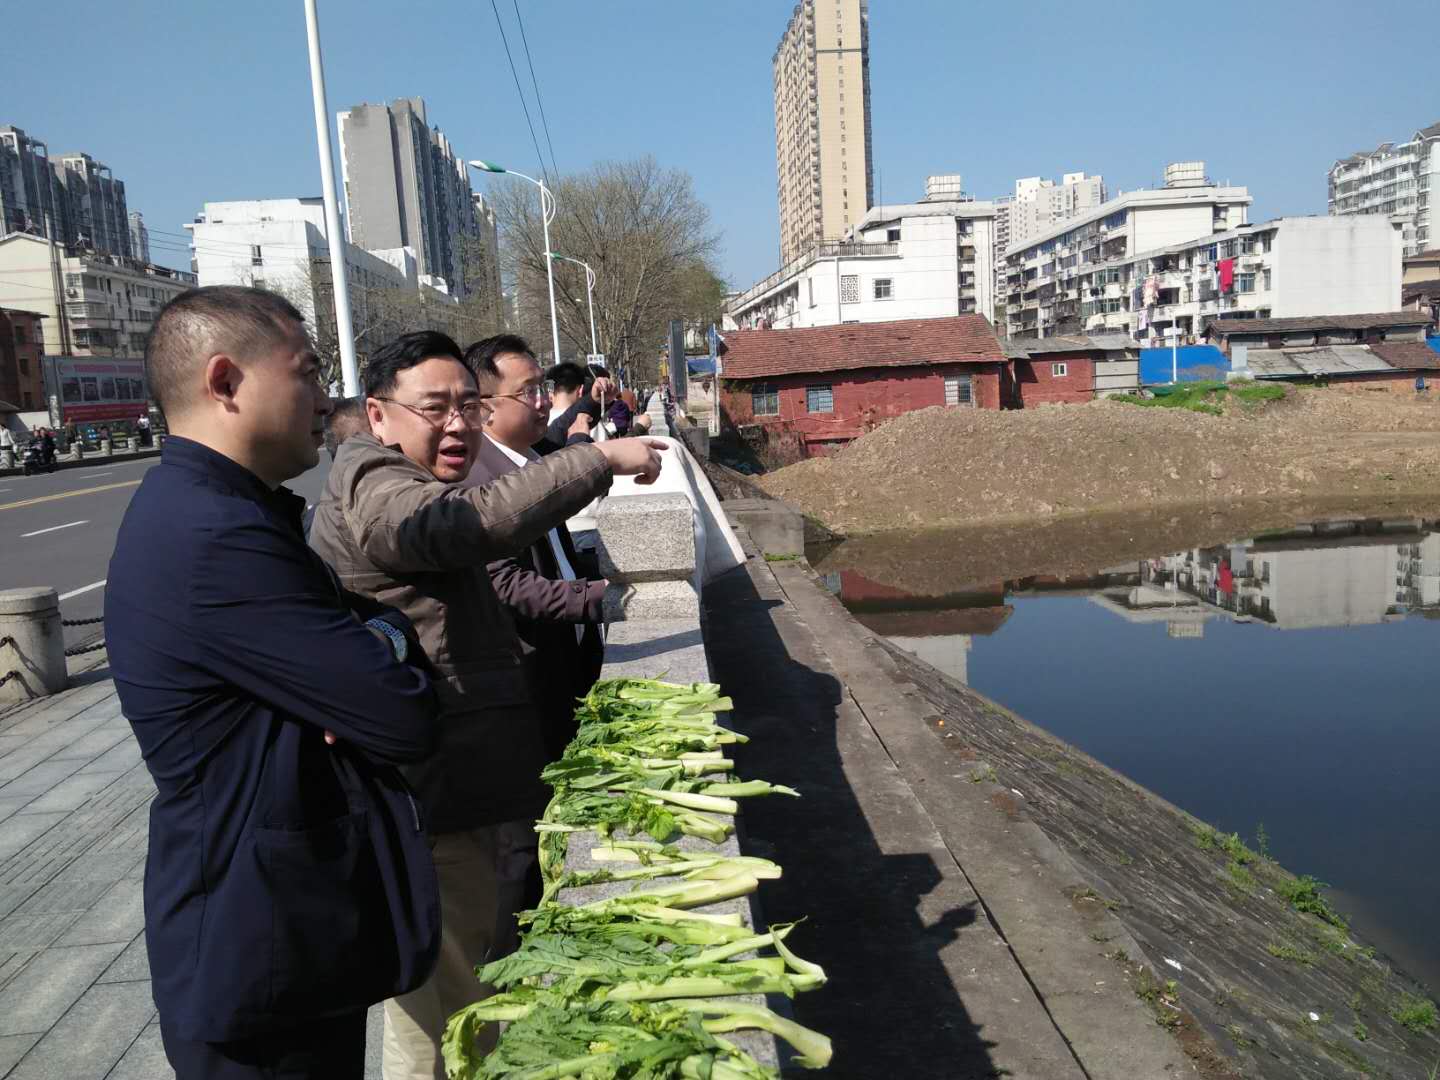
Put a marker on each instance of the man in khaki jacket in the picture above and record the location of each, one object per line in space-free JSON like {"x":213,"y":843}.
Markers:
{"x":397,"y":523}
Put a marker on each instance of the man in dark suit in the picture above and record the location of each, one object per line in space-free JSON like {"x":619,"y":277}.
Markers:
{"x":554,"y":596}
{"x":288,"y":881}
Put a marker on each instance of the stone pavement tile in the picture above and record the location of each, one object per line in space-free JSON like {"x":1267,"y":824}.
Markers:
{"x":130,"y":833}
{"x":22,"y":759}
{"x":39,"y":779}
{"x":10,"y":743}
{"x":50,"y":984}
{"x":103,"y":866}
{"x":11,"y":961}
{"x":117,"y":916}
{"x":71,"y":793}
{"x":55,"y":897}
{"x":45,"y":713}
{"x":14,"y":1047}
{"x":13,"y":805}
{"x":145,"y":1060}
{"x":13,"y":894}
{"x":118,"y":758}
{"x":91,"y":1036}
{"x":132,"y":965}
{"x":22,"y":830}
{"x":34,"y":931}
{"x":91,"y":744}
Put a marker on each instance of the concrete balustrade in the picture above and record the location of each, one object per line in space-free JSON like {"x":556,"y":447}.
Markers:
{"x":32,"y":644}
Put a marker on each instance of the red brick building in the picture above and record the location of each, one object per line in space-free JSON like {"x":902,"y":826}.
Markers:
{"x":827,"y":385}
{"x":22,"y":380}
{"x":1072,"y":369}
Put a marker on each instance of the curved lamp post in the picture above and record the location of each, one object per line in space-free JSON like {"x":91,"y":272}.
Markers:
{"x":547,"y":214}
{"x":589,"y":294}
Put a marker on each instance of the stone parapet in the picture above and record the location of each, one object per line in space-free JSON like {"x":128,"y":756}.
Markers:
{"x":647,"y":552}
{"x":32,"y":645}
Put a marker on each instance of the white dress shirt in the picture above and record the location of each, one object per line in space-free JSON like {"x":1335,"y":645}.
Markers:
{"x":566,"y":570}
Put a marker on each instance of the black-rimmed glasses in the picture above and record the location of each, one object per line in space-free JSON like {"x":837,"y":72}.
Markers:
{"x":534,"y":395}
{"x":437,"y":414}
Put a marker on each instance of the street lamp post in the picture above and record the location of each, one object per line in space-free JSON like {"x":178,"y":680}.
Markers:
{"x":350,"y":373}
{"x":547,"y":214}
{"x":589,"y":295}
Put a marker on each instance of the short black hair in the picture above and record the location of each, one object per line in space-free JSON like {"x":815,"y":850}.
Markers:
{"x":403,"y":353}
{"x":598,"y":372}
{"x":567,"y":376}
{"x":481,"y":356}
{"x":201,"y":322}
{"x":347,"y":418}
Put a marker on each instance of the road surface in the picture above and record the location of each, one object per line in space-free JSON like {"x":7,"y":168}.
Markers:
{"x":59,"y":528}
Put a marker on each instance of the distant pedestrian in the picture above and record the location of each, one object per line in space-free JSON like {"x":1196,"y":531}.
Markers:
{"x":1419,"y":384}
{"x":7,"y":441}
{"x":142,"y":428}
{"x":288,"y":881}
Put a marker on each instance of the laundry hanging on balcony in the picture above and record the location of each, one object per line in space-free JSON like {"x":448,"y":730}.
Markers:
{"x":1226,"y":269}
{"x":1152,"y":290}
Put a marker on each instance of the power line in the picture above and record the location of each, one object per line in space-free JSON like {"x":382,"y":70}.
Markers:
{"x":513,"y":74}
{"x":535,"y":83}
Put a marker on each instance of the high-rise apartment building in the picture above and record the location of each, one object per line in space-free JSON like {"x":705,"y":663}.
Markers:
{"x":1394,"y":178}
{"x":1039,"y":203}
{"x":81,"y":196}
{"x":406,"y":187}
{"x":822,"y":122}
{"x":139,"y":236}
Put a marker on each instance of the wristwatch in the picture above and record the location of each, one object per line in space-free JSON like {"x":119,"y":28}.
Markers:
{"x":397,"y":639}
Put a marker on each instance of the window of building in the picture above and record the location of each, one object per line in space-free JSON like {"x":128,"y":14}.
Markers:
{"x":1244,"y":283}
{"x":1059,"y":371}
{"x":1265,"y":280}
{"x":850,"y":288}
{"x":819,"y":399}
{"x":255,"y":257}
{"x":765,"y":400}
{"x":29,"y":402}
{"x":24,"y":362}
{"x":884,"y":288}
{"x":20,"y":338}
{"x":892,"y":235}
{"x":958,"y":390}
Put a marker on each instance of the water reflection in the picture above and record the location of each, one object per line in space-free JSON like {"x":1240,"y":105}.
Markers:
{"x":1309,"y":576}
{"x":1286,"y":677}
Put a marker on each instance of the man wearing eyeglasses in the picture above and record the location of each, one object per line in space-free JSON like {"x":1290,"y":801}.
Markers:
{"x":397,"y":523}
{"x":554,"y":596}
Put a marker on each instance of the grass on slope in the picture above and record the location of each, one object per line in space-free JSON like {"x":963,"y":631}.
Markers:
{"x":1206,"y":396}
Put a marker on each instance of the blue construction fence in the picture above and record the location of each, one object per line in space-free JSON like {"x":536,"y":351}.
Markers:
{"x":1196,"y":363}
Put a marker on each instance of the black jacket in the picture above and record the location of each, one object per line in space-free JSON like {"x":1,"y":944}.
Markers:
{"x":557,"y":432}
{"x":286,"y":880}
{"x":547,"y":609}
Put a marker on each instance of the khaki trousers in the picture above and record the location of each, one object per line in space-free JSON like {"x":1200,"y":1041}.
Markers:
{"x":482,"y":878}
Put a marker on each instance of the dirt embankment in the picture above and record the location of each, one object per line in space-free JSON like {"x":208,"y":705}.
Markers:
{"x":940,"y":467}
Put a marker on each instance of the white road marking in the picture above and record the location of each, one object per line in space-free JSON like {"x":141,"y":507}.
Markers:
{"x":53,"y":528}
{"x":82,"y":589}
{"x":105,"y":472}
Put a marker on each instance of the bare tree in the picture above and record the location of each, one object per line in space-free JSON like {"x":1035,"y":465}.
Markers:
{"x":649,"y":240}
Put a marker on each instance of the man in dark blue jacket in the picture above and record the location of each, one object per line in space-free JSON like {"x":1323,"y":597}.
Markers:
{"x":288,"y":884}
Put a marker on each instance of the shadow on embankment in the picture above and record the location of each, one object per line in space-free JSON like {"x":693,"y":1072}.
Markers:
{"x":890,"y":1005}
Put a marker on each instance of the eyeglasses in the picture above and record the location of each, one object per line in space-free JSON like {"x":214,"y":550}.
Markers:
{"x":437,"y":415}
{"x":534,"y":395}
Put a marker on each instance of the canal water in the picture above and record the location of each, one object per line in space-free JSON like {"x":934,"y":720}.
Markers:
{"x":1288,"y":679}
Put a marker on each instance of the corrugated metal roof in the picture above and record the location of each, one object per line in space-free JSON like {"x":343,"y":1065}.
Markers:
{"x":1321,"y":360}
{"x":1371,"y":320}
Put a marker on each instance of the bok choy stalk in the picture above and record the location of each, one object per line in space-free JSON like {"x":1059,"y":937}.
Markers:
{"x":555,"y":1040}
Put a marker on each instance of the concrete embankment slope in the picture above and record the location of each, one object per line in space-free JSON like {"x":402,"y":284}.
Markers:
{"x":925,"y":979}
{"x":990,"y":901}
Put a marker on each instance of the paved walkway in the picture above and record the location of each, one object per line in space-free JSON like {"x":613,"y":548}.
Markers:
{"x":75,"y":998}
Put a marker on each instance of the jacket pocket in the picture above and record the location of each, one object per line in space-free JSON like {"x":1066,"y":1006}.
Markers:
{"x":326,"y":917}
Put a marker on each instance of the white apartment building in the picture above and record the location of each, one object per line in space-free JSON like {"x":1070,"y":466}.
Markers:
{"x":1041,"y":293}
{"x":109,"y":302}
{"x":922,"y":260}
{"x":1039,"y":204}
{"x":1282,"y":268}
{"x":276,"y":244}
{"x":1394,"y":178}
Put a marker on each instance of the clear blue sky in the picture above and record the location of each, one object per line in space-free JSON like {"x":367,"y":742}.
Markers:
{"x":195,"y":100}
